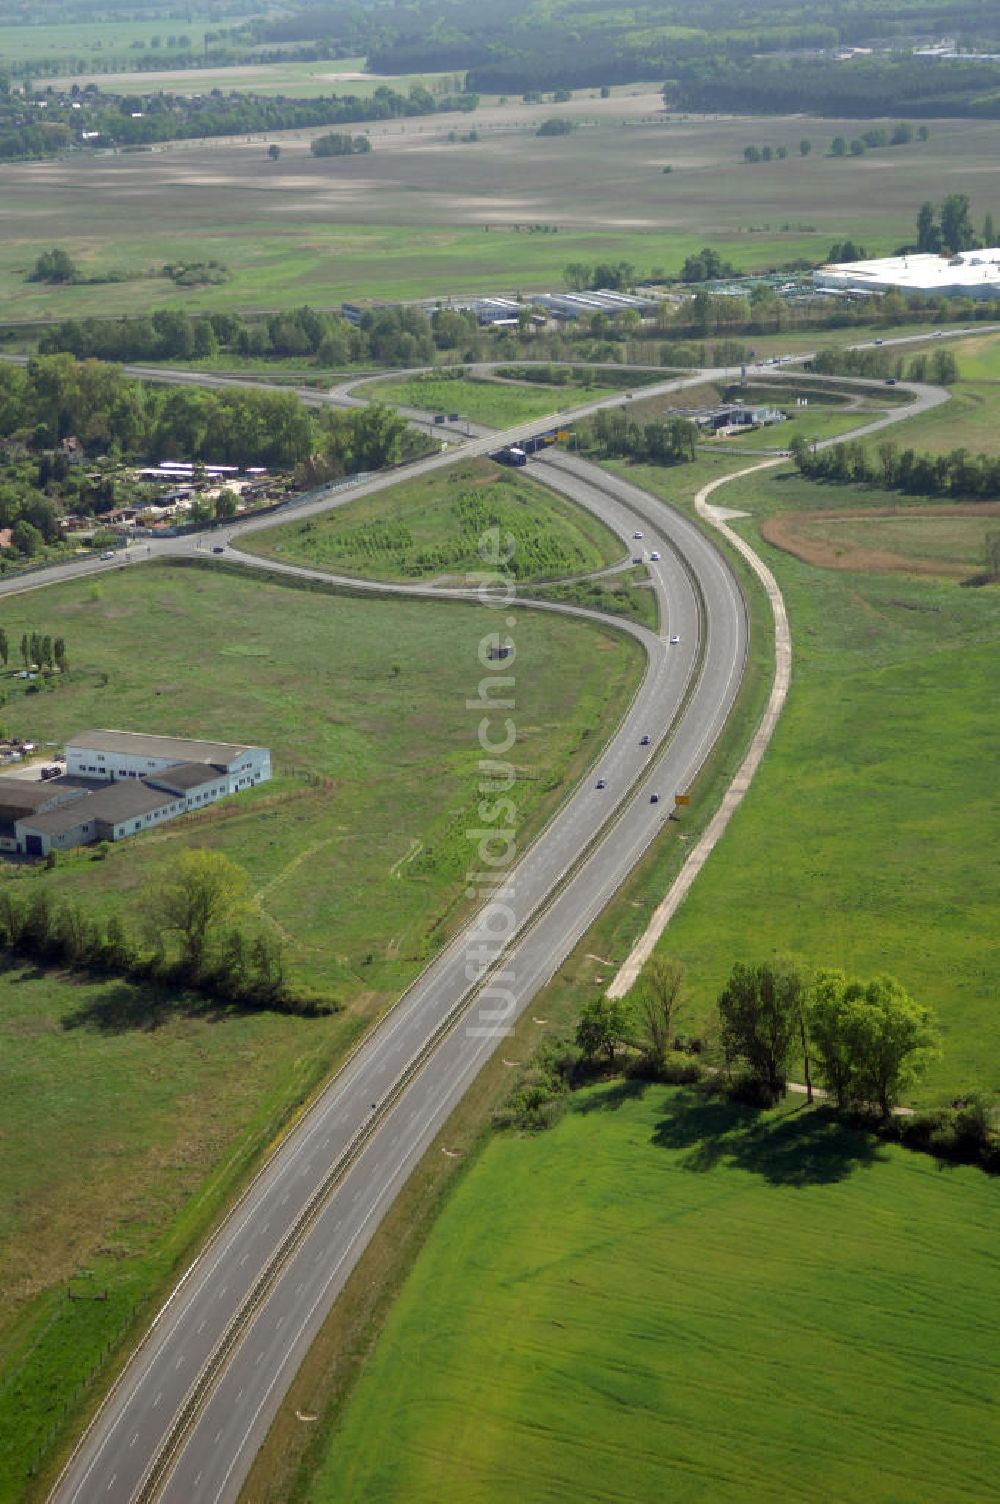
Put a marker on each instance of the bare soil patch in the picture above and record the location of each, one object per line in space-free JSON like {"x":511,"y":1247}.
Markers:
{"x":816,"y":538}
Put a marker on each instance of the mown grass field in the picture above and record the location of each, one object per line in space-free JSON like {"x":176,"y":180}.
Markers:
{"x":107,"y":39}
{"x":979,"y":358}
{"x":356,"y":853}
{"x":663,"y":1297}
{"x":868,"y":839}
{"x":438,"y":526}
{"x":968,"y":421}
{"x":498,"y":404}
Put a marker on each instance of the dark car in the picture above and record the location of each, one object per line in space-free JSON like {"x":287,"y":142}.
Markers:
{"x":644,"y":741}
{"x":218,"y":548}
{"x":601,"y":783}
{"x":654,"y":798}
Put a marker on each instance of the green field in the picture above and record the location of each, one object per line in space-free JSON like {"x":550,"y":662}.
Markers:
{"x":498,"y":404}
{"x":666,"y":1298}
{"x":356,"y":853}
{"x":294,"y":80}
{"x":979,"y":358}
{"x":868,"y":838}
{"x":968,"y":421}
{"x":105,"y":39}
{"x":434,"y":527}
{"x":952,"y":545}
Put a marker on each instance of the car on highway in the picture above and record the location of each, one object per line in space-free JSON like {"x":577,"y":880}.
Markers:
{"x":674,"y":640}
{"x":602,"y":783}
{"x":890,"y":381}
{"x":636,"y":535}
{"x":109,"y":555}
{"x":637,"y":558}
{"x":218,"y":548}
{"x":654,"y":798}
{"x":879,"y":342}
{"x":644,"y":741}
{"x":654,"y":555}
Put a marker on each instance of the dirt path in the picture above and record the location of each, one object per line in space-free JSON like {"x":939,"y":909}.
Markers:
{"x":706,"y":843}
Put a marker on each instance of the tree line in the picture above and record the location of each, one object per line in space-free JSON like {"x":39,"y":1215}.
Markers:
{"x":130,"y":120}
{"x":612,"y":435}
{"x":862,"y":88}
{"x":862,"y":1043}
{"x":958,"y":475}
{"x":194,"y":910}
{"x":55,"y":396}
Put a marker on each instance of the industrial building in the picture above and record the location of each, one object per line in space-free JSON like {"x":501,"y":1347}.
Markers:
{"x":118,"y":783}
{"x":969,"y":274}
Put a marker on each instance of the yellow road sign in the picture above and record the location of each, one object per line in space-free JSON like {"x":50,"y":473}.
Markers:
{"x":682,"y":798}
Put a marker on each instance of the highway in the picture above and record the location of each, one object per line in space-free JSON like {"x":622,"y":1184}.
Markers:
{"x":191,"y":1409}
{"x":558,"y":887}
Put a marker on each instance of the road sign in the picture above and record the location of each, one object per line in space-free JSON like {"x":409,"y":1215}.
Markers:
{"x":564,"y":435}
{"x":682,"y":798}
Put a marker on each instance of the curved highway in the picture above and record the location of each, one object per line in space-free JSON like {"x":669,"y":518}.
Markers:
{"x":418,"y":1062}
{"x":191,"y":1409}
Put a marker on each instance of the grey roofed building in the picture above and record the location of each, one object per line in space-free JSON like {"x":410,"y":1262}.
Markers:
{"x":187,"y":775}
{"x":108,"y":805}
{"x":175,"y":748}
{"x":22,"y":796}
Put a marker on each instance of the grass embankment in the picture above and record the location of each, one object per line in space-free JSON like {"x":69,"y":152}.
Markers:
{"x":597,"y":1302}
{"x":496,"y":403}
{"x":869,"y":835}
{"x":947,"y":541}
{"x":968,"y":421}
{"x":436,"y":526}
{"x":356,"y":852}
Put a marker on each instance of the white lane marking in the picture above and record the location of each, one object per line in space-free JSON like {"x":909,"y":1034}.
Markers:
{"x":159,"y":1396}
{"x":135,"y":1438}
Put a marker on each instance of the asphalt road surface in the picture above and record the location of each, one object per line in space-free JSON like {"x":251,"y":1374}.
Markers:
{"x":245,"y":1313}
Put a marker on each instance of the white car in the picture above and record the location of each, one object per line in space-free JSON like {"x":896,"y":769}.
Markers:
{"x":654,"y":554}
{"x":636,"y":535}
{"x":109,"y":555}
{"x":674,"y":640}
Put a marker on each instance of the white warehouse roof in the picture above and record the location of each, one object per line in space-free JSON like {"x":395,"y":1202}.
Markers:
{"x":968,"y":274}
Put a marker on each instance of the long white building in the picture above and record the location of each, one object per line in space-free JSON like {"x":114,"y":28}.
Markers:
{"x":118,"y":783}
{"x":969,"y":274}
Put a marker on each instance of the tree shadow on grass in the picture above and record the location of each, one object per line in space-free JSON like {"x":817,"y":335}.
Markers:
{"x":123,"y":1007}
{"x":807,"y":1146}
{"x":611,"y":1097}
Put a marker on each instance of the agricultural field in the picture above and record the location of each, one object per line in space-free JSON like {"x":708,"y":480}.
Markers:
{"x":868,"y":837}
{"x":790,"y":1277}
{"x":434,"y":527}
{"x":498,"y":404}
{"x":106,"y":40}
{"x":356,"y":855}
{"x":344,"y":75}
{"x":948,"y":541}
{"x":420,"y":215}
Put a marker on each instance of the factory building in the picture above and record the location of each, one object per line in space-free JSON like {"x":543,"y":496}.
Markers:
{"x":969,"y":274}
